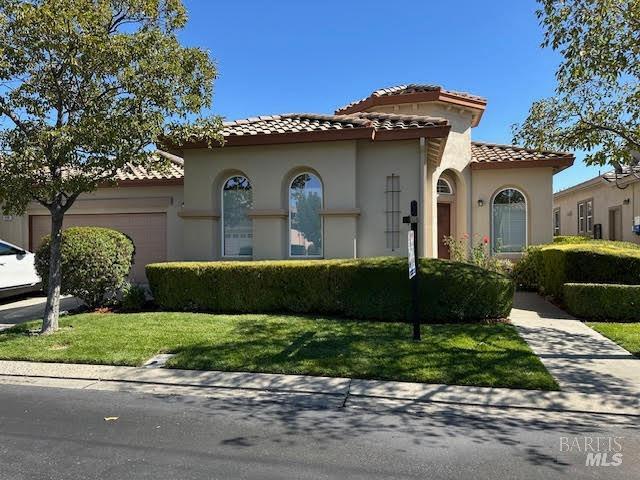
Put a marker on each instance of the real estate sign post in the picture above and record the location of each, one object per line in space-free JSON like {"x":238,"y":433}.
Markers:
{"x":412,"y":250}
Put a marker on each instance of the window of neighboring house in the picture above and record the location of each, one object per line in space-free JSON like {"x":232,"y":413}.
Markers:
{"x":444,"y":187}
{"x":585,"y":217}
{"x":305,"y":222}
{"x":392,"y":211}
{"x":556,"y":221}
{"x":509,"y":221}
{"x":237,"y":227}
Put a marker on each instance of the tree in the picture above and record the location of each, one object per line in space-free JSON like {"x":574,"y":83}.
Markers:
{"x":86,"y":87}
{"x":596,"y":106}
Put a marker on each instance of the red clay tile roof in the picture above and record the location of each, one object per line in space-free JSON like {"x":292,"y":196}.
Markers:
{"x":311,"y":122}
{"x":493,"y":155}
{"x":420,"y":92}
{"x":173,"y":173}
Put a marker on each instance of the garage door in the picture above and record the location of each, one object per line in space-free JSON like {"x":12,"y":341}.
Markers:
{"x":147,"y":230}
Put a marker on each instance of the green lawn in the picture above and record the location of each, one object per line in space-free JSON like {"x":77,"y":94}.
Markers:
{"x":627,"y":335}
{"x":465,"y":354}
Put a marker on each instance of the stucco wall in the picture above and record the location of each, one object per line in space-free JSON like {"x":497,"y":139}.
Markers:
{"x":270,"y":169}
{"x":605,"y":196}
{"x":534,"y":183}
{"x":149,"y":199}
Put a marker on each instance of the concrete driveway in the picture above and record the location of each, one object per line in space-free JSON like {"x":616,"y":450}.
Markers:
{"x":29,"y":307}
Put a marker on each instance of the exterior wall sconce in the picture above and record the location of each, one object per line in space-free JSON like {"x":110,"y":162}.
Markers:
{"x":626,"y":201}
{"x":480,"y":202}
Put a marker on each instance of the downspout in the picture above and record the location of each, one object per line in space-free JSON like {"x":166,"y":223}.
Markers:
{"x":422,"y":167}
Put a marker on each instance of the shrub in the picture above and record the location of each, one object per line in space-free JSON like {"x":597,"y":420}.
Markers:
{"x":603,"y":301}
{"x":526,"y":271}
{"x":95,"y":263}
{"x":594,"y":262}
{"x":133,"y":299}
{"x":375,"y":288}
{"x":571,"y":239}
{"x":476,"y":252}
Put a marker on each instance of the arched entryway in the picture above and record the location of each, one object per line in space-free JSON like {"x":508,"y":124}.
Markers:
{"x":446,"y":192}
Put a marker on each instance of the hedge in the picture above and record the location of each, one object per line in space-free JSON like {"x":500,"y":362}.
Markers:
{"x":375,"y":288}
{"x":548,"y":267}
{"x":609,"y":302}
{"x":95,"y":263}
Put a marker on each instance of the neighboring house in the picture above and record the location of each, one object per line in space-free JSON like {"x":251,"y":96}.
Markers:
{"x":330,"y":186}
{"x":607,"y":206}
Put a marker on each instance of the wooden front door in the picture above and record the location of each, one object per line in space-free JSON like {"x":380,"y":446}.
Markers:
{"x":444,"y":228}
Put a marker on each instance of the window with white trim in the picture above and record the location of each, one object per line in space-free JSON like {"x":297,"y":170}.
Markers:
{"x":509,"y":221}
{"x":444,"y":187}
{"x":585,"y":217}
{"x":556,"y":221}
{"x":305,"y":222}
{"x":237,"y":227}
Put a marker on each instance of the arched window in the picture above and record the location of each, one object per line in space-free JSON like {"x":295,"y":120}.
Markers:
{"x":509,"y":221}
{"x":444,"y":187}
{"x":305,"y":223}
{"x":237,"y":227}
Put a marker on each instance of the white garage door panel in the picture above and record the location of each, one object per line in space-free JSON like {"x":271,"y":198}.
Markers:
{"x":147,"y":230}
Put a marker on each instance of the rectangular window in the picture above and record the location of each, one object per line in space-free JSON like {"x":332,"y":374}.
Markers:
{"x":585,"y":217}
{"x":581,"y":218}
{"x":392,"y":211}
{"x":556,"y":221}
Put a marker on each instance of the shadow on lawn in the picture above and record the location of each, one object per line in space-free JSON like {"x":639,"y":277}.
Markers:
{"x":491,"y":355}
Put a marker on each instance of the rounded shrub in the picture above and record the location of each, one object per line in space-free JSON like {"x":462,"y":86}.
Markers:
{"x":373,"y":288}
{"x":95,"y":263}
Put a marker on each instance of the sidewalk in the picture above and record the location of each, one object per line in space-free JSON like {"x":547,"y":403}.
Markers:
{"x":335,"y":392}
{"x":579,"y":358}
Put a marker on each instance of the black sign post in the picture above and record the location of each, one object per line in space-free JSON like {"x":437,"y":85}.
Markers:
{"x":412,"y":220}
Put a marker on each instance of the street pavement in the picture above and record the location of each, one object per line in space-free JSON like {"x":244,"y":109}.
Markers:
{"x":53,"y":433}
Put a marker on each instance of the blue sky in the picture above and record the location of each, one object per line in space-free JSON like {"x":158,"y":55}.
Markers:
{"x":313,"y":56}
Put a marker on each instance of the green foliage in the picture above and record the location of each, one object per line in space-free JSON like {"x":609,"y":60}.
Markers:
{"x":606,"y":302}
{"x":89,"y":85}
{"x":133,"y":298}
{"x":375,"y":288}
{"x":591,"y":262}
{"x":476,"y":252}
{"x":526,"y":271}
{"x":95,"y":263}
{"x":596,"y":107}
{"x":571,"y":239}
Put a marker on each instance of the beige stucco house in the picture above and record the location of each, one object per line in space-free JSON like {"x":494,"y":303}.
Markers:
{"x":329,"y":186}
{"x":607,"y":206}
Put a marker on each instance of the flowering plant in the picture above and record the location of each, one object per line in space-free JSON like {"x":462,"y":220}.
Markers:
{"x":476,"y":251}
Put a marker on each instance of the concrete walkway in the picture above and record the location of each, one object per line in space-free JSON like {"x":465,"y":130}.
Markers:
{"x":26,"y":308}
{"x":340,"y":392}
{"x":579,"y":358}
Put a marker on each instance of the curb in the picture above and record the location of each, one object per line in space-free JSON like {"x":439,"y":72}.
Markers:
{"x":271,"y":386}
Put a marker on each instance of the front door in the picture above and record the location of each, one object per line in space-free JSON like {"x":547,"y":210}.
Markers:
{"x":615,"y":223}
{"x":444,"y":228}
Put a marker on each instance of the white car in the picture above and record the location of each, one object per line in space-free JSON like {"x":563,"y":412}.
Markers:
{"x":17,"y":270}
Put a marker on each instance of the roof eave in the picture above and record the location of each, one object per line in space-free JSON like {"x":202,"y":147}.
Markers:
{"x":558,"y":164}
{"x":368,"y":133}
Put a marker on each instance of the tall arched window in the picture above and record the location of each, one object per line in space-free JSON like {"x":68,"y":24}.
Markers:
{"x":509,"y":221}
{"x":305,"y":223}
{"x":237,"y":227}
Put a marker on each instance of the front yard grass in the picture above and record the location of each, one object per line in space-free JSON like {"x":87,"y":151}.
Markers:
{"x":627,"y":335}
{"x":463,"y":354}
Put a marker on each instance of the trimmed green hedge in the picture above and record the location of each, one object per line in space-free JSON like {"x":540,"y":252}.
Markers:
{"x":374,"y":288}
{"x":548,"y":267}
{"x":571,"y":239}
{"x":609,"y":302}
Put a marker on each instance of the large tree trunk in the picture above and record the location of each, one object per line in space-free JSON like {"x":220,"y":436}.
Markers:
{"x":52,"y":309}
